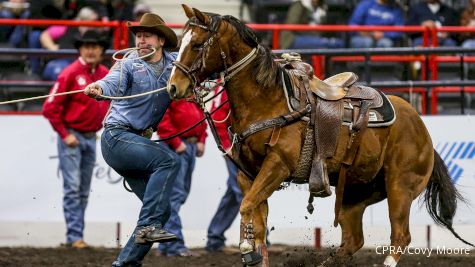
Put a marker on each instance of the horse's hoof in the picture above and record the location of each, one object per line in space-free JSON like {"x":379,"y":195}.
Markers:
{"x":390,"y":262}
{"x":251,"y":258}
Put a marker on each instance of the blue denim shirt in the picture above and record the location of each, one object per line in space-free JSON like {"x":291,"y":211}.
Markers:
{"x":136,"y":76}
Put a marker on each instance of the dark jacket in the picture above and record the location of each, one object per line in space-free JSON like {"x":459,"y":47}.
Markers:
{"x":420,"y":12}
{"x":297,"y":14}
{"x":468,"y":15}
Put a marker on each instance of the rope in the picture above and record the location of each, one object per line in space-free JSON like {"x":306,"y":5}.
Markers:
{"x":129,"y":50}
{"x":114,"y":56}
{"x":228,"y":152}
{"x":133,"y":96}
{"x":40,"y":97}
{"x":79,"y":91}
{"x":191,"y":127}
{"x":223,"y":120}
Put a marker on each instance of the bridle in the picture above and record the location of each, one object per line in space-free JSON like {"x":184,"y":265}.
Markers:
{"x":199,"y":94}
{"x":200,"y":60}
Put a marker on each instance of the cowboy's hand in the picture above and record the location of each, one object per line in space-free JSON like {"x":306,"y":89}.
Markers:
{"x":200,"y":149}
{"x":181,"y":148}
{"x":71,"y":141}
{"x":428,"y":23}
{"x":93,"y":90}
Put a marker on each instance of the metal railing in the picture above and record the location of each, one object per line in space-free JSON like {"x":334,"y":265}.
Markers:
{"x":429,"y":57}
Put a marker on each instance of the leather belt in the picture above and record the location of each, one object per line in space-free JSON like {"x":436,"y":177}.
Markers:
{"x":147,"y":133}
{"x":191,"y":140}
{"x":88,"y":135}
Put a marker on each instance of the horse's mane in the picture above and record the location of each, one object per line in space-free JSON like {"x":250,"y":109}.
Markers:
{"x":265,"y":69}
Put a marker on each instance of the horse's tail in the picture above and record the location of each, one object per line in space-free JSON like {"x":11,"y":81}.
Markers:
{"x":441,"y":196}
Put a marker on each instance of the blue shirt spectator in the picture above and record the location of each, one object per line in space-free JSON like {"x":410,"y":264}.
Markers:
{"x":380,"y":13}
{"x":432,"y":13}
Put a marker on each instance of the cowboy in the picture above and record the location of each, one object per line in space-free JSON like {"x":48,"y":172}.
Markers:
{"x":76,"y":118}
{"x":149,"y":168}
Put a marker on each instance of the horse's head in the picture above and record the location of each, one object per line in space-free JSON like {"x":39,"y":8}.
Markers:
{"x":205,"y":49}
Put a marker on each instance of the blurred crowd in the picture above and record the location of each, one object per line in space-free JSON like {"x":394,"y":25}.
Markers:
{"x":59,"y":37}
{"x":429,"y":13}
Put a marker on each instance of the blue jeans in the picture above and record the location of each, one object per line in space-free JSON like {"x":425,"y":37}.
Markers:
{"x":14,"y":34}
{"x":227,"y":211}
{"x":150,"y":170}
{"x":34,"y":42}
{"x":310,"y":41}
{"x":181,"y":190}
{"x":54,"y":67}
{"x":470,"y":43}
{"x":76,"y":165}
{"x":358,"y":41}
{"x":442,"y":42}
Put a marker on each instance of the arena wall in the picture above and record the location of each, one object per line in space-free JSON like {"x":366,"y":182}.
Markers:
{"x":31,"y":195}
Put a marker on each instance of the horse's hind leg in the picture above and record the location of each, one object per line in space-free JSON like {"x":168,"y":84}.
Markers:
{"x":350,"y":220}
{"x":408,"y":164}
{"x":403,"y":185}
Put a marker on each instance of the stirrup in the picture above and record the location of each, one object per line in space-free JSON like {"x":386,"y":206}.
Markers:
{"x":325,"y":192}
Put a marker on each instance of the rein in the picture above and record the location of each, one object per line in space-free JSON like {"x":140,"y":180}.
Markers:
{"x":191,"y":127}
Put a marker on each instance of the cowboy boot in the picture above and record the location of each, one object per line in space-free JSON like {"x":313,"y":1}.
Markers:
{"x":150,"y":234}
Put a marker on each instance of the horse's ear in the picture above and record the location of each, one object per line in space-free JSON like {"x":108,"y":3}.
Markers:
{"x":203,"y":18}
{"x":188,"y":11}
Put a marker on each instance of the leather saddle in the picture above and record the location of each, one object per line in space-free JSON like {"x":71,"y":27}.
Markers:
{"x":335,"y":101}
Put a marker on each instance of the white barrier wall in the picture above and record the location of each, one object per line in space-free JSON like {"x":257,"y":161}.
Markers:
{"x":31,"y":193}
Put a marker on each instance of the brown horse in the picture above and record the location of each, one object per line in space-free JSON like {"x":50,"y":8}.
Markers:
{"x":397,"y":162}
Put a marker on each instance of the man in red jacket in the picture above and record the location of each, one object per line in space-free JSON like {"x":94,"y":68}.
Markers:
{"x":180,"y":116}
{"x":76,"y":118}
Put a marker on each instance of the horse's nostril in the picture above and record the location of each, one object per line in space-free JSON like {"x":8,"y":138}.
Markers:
{"x":172,"y":91}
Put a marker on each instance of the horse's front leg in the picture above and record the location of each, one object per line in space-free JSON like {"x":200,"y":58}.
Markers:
{"x":254,"y":208}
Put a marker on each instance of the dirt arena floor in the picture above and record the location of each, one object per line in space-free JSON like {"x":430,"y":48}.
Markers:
{"x":279,"y":256}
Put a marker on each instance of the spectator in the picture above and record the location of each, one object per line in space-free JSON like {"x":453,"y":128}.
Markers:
{"x":76,"y":118}
{"x":59,"y":37}
{"x":312,"y":12}
{"x":380,"y":13}
{"x":432,"y":13}
{"x":45,"y":9}
{"x":121,"y":9}
{"x":149,"y":168}
{"x":139,"y":10}
{"x":72,"y":8}
{"x":229,"y":205}
{"x":180,"y":116}
{"x":467,"y":19}
{"x":14,"y":9}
